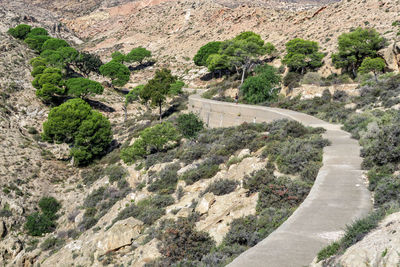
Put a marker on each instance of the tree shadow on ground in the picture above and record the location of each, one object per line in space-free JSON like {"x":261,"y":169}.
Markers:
{"x":142,"y":66}
{"x":100,"y":106}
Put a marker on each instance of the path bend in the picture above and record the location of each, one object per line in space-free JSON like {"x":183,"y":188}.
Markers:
{"x":338,"y":197}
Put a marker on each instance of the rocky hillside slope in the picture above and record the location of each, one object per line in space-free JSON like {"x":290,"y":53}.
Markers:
{"x":184,"y":26}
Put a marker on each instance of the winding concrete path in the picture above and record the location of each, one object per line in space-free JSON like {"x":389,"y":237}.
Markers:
{"x":337,"y":198}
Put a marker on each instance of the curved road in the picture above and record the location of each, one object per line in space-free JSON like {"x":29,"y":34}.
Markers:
{"x":337,"y":198}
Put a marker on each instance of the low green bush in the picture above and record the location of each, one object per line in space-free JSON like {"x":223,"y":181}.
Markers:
{"x":328,"y":251}
{"x":115,"y":173}
{"x":158,"y":138}
{"x":221,"y":187}
{"x":189,"y":125}
{"x":148,"y":210}
{"x":38,"y":224}
{"x":49,"y":206}
{"x":206,"y":170}
{"x":257,"y":180}
{"x":166,"y":181}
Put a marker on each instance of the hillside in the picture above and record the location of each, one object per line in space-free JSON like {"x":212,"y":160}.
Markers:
{"x":218,"y":192}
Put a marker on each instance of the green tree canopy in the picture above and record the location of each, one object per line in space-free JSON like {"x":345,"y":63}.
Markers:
{"x":153,"y":139}
{"x":117,"y":72}
{"x":118,"y":57}
{"x":54,"y":44}
{"x":49,"y":84}
{"x":354,"y":47}
{"x":138,"y":54}
{"x":64,"y":121}
{"x":189,"y":125}
{"x":88,"y":63}
{"x":374,"y":65}
{"x":36,"y":42}
{"x":263,"y":86}
{"x":92,"y":139}
{"x":159,"y":87}
{"x":20,"y":31}
{"x":242,"y":51}
{"x":302,"y":55}
{"x":37,"y":32}
{"x":200,"y":59}
{"x":217,"y":62}
{"x":75,"y":123}
{"x":82,"y":87}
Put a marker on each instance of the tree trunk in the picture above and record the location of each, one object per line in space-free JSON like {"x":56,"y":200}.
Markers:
{"x":243,"y":75}
{"x":160,"y":111}
{"x":125,"y":109}
{"x":376,"y":76}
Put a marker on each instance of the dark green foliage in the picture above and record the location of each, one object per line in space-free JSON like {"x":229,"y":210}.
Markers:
{"x":36,"y":42}
{"x":302,"y":55}
{"x":148,"y":210}
{"x":115,"y":173}
{"x":387,"y":190}
{"x":92,"y":139}
{"x":74,"y":122}
{"x":154,"y":139}
{"x":361,"y":228}
{"x":221,"y":187}
{"x":38,"y":224}
{"x":182,"y":241}
{"x":54,"y":44}
{"x":133,"y":94}
{"x":88,"y":63}
{"x":176,"y":88}
{"x":355,"y":46}
{"x":37,"y":70}
{"x":98,"y":203}
{"x":138,"y":55}
{"x":159,"y":87}
{"x":82,"y":87}
{"x":375,"y":65}
{"x":37,"y":32}
{"x":64,"y":121}
{"x":20,"y":31}
{"x":282,"y":193}
{"x":292,"y":80}
{"x":117,"y":72}
{"x":257,"y":180}
{"x":118,"y":57}
{"x":200,"y":59}
{"x":49,"y":206}
{"x":51,"y":243}
{"x":189,"y":125}
{"x":328,"y":251}
{"x":262,"y":87}
{"x":206,"y":170}
{"x":166,"y":181}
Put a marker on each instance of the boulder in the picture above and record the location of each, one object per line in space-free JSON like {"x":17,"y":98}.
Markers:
{"x":391,"y":54}
{"x":122,"y":233}
{"x":205,"y":203}
{"x":244,"y":153}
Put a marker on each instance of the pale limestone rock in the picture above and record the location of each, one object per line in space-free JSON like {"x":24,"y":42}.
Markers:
{"x":245,"y":167}
{"x":121,"y":234}
{"x":225,"y":209}
{"x":381,"y":247}
{"x":146,"y":253}
{"x":78,"y":219}
{"x":187,"y":168}
{"x":391,"y":54}
{"x":205,"y":203}
{"x":184,"y":212}
{"x":244,"y":153}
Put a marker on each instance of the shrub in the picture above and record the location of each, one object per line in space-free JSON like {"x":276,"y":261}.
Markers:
{"x":292,"y":80}
{"x":20,"y":31}
{"x":328,"y":251}
{"x":154,"y":139}
{"x":37,"y":224}
{"x":148,"y":210}
{"x":91,"y":175}
{"x":49,"y":206}
{"x":257,"y":180}
{"x":282,"y":193}
{"x":242,"y":231}
{"x":221,"y":187}
{"x":115,"y":173}
{"x":51,"y":243}
{"x":189,"y":125}
{"x":206,"y":170}
{"x":182,"y":241}
{"x":387,"y":190}
{"x":311,"y":78}
{"x":167,"y":180}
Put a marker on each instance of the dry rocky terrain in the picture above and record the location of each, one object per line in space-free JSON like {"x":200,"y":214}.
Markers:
{"x":173,"y":31}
